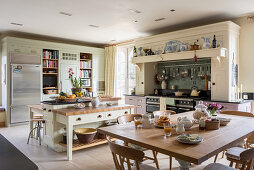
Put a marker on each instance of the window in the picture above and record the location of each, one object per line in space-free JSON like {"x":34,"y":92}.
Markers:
{"x":125,"y":81}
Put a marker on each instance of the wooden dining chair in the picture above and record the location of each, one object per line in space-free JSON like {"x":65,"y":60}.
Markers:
{"x":246,"y":159}
{"x":161,"y":112}
{"x":129,"y":118}
{"x":122,"y":156}
{"x":238,"y":113}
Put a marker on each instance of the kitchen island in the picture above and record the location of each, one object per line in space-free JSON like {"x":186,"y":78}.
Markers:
{"x":63,"y":119}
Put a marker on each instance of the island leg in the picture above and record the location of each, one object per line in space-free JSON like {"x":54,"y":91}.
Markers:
{"x":69,"y":129}
{"x":183,"y":164}
{"x":31,"y":122}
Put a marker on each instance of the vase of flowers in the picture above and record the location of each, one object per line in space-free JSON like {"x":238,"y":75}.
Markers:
{"x":214,"y":108}
{"x":76,"y":82}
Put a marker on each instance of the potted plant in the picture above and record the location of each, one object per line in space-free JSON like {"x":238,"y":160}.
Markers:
{"x":76,"y":82}
{"x":214,"y":108}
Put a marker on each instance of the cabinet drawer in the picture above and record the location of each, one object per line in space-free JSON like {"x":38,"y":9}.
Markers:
{"x":88,"y":118}
{"x":141,"y":101}
{"x":130,"y":100}
{"x":115,"y":114}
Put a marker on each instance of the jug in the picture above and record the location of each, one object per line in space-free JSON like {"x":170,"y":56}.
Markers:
{"x":146,"y":121}
{"x":206,"y":43}
{"x":180,"y":129}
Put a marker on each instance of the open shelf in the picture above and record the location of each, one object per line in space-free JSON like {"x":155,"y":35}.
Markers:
{"x":183,"y":55}
{"x":45,"y":88}
{"x":86,"y":71}
{"x":50,"y":73}
{"x":50,"y":68}
{"x":85,"y":68}
{"x":50,"y":59}
{"x":77,"y":145}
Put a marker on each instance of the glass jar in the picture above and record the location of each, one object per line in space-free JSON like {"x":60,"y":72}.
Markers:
{"x":200,"y":111}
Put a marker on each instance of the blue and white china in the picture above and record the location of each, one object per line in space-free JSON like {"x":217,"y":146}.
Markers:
{"x":206,"y":43}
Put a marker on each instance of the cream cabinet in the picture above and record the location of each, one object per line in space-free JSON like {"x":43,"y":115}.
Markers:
{"x":27,"y":46}
{"x":224,"y":80}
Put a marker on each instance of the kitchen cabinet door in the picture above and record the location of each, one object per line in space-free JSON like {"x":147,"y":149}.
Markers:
{"x":64,"y":76}
{"x":219,"y":81}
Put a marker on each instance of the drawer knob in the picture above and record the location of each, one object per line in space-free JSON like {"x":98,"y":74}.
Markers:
{"x":99,"y":116}
{"x":109,"y":115}
{"x":126,"y":112}
{"x":78,"y":119}
{"x":44,"y":109}
{"x":49,"y":110}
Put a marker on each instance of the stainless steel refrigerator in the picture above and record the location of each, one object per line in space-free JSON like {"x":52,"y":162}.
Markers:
{"x":25,"y":90}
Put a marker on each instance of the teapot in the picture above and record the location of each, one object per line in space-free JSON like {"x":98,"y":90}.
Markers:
{"x":194,"y":91}
{"x":186,"y":122}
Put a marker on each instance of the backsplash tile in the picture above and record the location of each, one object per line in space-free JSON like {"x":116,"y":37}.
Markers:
{"x":172,"y":67}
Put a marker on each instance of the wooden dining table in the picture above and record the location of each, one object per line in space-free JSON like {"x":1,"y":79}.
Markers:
{"x":214,"y":141}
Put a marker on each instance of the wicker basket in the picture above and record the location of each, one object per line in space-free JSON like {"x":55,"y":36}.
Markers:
{"x":212,"y":125}
{"x":50,"y":91}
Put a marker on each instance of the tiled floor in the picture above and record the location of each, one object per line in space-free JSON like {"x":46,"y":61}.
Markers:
{"x":96,"y":158}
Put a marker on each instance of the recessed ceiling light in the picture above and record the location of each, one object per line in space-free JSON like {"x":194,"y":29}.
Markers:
{"x":18,"y":24}
{"x":112,"y":40}
{"x":172,"y":10}
{"x":65,"y":13}
{"x":135,"y":11}
{"x":159,"y":19}
{"x":94,"y":26}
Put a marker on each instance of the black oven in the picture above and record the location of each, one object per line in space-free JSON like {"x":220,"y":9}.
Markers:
{"x":152,"y":104}
{"x":150,"y":108}
{"x":179,"y":109}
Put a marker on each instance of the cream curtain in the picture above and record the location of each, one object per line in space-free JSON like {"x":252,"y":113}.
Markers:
{"x":110,"y":55}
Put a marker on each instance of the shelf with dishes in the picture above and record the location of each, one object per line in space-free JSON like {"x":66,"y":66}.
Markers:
{"x":204,"y":53}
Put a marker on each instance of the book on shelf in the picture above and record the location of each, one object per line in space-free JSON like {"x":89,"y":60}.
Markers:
{"x":48,"y":63}
{"x":85,"y":73}
{"x":86,"y":64}
{"x":50,"y":54}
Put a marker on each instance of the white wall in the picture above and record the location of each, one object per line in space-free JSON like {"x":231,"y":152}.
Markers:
{"x":246,"y":67}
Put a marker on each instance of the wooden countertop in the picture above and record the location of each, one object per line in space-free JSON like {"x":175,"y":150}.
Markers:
{"x":104,"y":99}
{"x":90,"y":109}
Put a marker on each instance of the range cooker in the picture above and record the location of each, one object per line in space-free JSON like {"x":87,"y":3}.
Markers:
{"x":180,"y":104}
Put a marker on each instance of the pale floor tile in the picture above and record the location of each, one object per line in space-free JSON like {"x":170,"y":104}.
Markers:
{"x":96,"y":158}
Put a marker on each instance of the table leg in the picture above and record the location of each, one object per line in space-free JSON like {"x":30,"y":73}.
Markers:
{"x":31,"y":123}
{"x":69,"y":129}
{"x":183,"y":164}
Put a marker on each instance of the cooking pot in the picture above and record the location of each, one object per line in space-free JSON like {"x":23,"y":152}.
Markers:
{"x":178,"y":93}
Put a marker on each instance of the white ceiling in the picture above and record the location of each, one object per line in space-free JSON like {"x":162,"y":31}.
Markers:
{"x":113,"y":17}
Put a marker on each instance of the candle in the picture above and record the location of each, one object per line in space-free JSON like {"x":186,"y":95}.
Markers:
{"x":241,"y":92}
